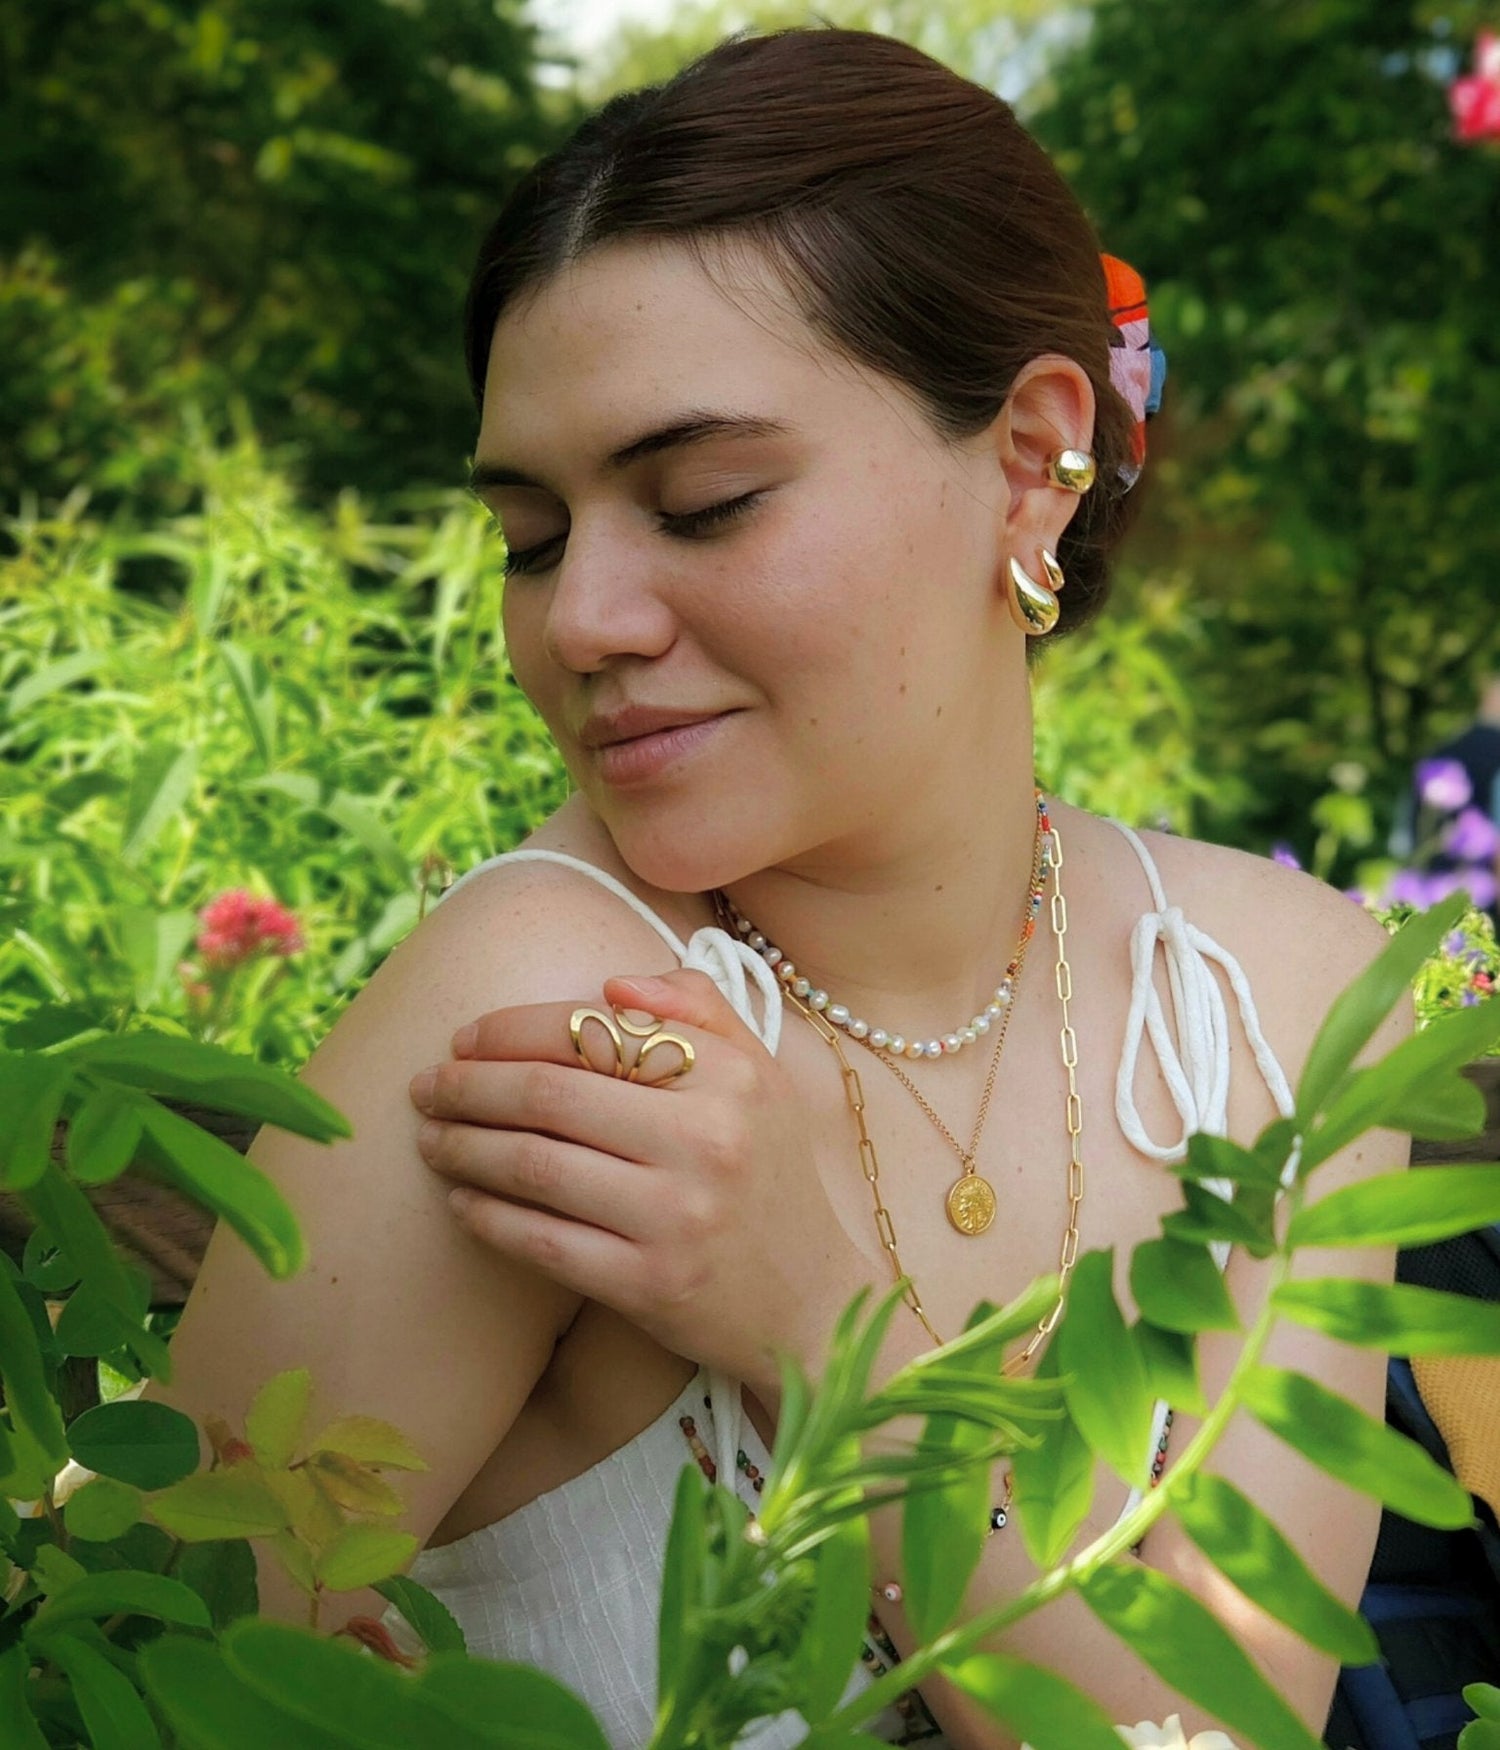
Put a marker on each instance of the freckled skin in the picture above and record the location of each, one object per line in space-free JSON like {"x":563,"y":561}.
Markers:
{"x":871,"y":574}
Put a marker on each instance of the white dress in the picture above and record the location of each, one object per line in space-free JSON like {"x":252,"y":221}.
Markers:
{"x":571,"y":1582}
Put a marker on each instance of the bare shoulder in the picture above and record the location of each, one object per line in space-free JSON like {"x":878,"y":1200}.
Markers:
{"x":401,"y":1313}
{"x":1299,"y":940}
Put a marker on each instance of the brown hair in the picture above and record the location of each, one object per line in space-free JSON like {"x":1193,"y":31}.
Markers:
{"x":919,"y":228}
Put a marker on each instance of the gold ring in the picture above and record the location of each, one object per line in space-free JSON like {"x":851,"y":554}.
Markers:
{"x":654,"y":1035}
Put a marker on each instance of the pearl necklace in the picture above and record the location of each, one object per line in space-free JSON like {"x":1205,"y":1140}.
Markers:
{"x":883,"y":1038}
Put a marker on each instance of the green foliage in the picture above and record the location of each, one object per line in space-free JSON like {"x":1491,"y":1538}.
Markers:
{"x":260,"y":203}
{"x":376,"y":740}
{"x":1321,"y":262}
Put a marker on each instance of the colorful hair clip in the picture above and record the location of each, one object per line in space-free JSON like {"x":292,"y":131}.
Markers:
{"x":1137,"y":365}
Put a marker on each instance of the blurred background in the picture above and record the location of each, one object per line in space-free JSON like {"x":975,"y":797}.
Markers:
{"x":249,"y":619}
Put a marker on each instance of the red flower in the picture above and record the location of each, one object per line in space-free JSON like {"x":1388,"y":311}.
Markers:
{"x":237,"y":926}
{"x":1483,"y":981}
{"x":1475,"y":100}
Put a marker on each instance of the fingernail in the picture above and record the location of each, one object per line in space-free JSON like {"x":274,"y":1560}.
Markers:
{"x":641,"y":987}
{"x":422,"y":1086}
{"x":464,"y":1040}
{"x":427,"y":1136}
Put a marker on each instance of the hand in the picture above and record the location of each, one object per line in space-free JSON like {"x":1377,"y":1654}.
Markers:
{"x":693,"y":1207}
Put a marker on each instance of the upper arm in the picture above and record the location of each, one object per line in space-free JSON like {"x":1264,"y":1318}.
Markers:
{"x":401,"y":1313}
{"x":1325,"y":941}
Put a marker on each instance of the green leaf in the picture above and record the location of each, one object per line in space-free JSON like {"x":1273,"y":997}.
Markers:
{"x":833,"y":1632}
{"x":943,"y":1529}
{"x":101,"y":1510}
{"x":683,"y":1577}
{"x":16,"y":1689}
{"x":1191,"y":1650}
{"x":113,"y":1712}
{"x":273,"y":1423}
{"x":1484,"y":1699}
{"x":358,"y":817}
{"x":1244,"y":1545}
{"x":157,"y":1595}
{"x":362,"y":1554}
{"x":207,"y":1075}
{"x":1216,"y":1157}
{"x":1171,"y":1359}
{"x":1376,"y":1094}
{"x":1479,"y":1735}
{"x":220,"y":1179}
{"x":1104,"y":1378}
{"x":27,"y":1394}
{"x":224,"y":1574}
{"x":1206,"y":1216}
{"x":70,"y":1220}
{"x":159,"y":785}
{"x":153,"y":943}
{"x":428,"y":1615}
{"x":1444,"y":1108}
{"x":1397,"y":1317}
{"x":102,"y":1135}
{"x":222,"y":1503}
{"x":1178,"y":1287}
{"x":1360,"y":1008}
{"x":211,"y":1708}
{"x":331,"y":1685}
{"x":1036,"y":1704}
{"x":371,"y":1441}
{"x":1054,"y":1481}
{"x":510,"y":1705}
{"x":32,"y":1090}
{"x":136,"y":1440}
{"x":256,"y":694}
{"x":1365,"y":1454}
{"x":1412,"y":1207}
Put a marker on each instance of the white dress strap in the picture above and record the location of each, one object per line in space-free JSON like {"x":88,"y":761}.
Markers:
{"x":1198,"y":1078}
{"x":723,"y":957}
{"x":1199,"y":1086}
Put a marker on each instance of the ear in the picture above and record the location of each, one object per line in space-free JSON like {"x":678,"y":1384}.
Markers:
{"x":1050,"y":408}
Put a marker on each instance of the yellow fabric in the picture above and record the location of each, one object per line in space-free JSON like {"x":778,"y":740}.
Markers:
{"x":1462,"y":1395}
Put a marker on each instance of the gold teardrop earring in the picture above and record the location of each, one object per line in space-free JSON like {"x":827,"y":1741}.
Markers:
{"x":1034,"y":606}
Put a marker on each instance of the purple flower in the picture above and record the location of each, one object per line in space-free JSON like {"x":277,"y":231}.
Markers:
{"x":1480,"y":884}
{"x":1283,"y":853}
{"x":1410,"y":887}
{"x":1444,"y":784}
{"x":1357,"y":894}
{"x":1473,"y":837}
{"x":1469,"y":998}
{"x":1453,"y":942}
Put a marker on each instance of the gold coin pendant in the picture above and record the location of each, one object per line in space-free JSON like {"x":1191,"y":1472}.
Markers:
{"x":971,"y":1204}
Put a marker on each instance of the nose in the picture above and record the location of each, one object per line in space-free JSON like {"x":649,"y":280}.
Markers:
{"x":606,"y":601}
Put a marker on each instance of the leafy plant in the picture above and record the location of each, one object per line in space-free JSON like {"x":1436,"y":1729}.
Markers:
{"x":130,"y":1608}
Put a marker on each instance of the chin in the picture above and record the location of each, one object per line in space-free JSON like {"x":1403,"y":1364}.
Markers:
{"x":682,"y":844}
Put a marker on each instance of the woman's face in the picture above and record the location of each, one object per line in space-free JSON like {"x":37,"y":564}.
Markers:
{"x":847,"y":618}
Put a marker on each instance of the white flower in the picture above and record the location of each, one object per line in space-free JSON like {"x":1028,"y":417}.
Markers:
{"x":1169,"y":1736}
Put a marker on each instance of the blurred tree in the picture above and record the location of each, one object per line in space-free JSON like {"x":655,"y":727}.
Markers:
{"x":1323,"y":261}
{"x":260,"y":196}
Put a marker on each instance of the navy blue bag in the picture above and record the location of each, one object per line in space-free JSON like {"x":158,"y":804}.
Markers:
{"x":1433,"y":1597}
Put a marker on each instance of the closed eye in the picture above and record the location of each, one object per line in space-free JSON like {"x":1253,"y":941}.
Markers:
{"x":688,"y":523}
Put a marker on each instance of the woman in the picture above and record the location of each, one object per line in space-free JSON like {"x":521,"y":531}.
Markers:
{"x":779,"y":368}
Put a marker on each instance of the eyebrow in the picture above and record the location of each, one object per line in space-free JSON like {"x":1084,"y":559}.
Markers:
{"x":695,"y":427}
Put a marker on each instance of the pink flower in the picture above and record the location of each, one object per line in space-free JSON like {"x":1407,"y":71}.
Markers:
{"x":237,"y":926}
{"x":1475,"y":100}
{"x":1443,"y":784}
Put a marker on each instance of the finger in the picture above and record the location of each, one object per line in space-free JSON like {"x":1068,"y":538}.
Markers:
{"x":548,"y":1173}
{"x":617,"y":1118}
{"x":687,"y":998}
{"x":586,"y":1259}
